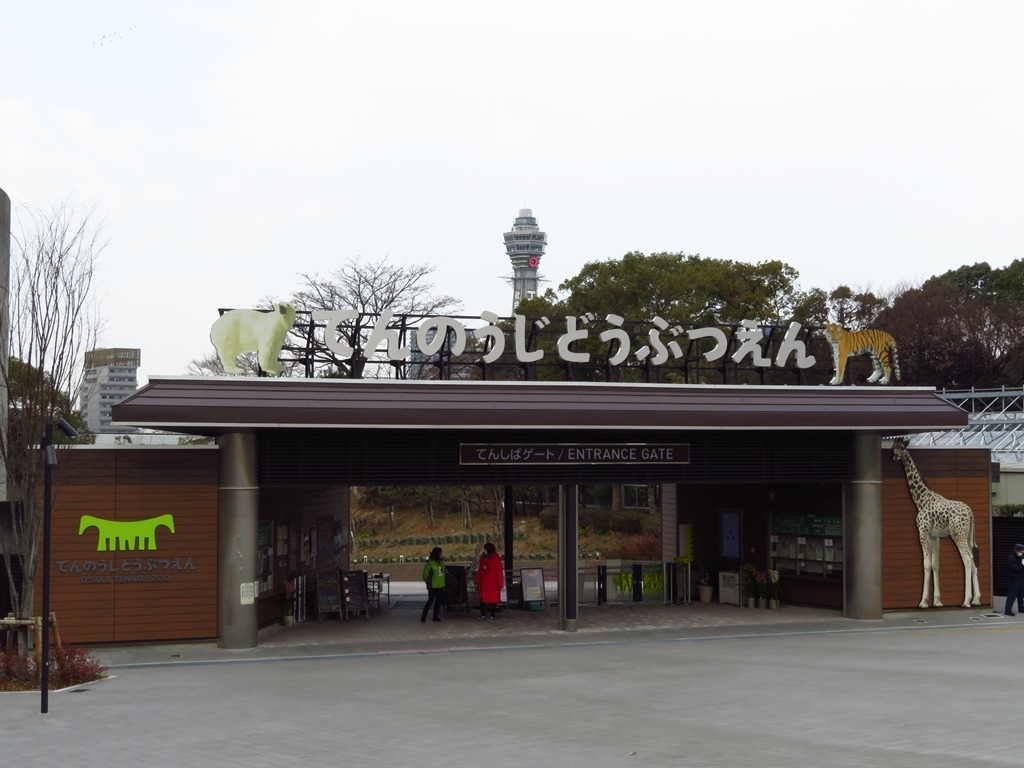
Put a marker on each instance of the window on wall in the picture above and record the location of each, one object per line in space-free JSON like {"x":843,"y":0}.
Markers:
{"x":596,"y":495}
{"x":634,"y":496}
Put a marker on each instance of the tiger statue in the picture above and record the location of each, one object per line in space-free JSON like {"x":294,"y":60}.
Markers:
{"x":878,"y":344}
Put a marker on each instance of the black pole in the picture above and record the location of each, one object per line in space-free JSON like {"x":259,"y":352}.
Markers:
{"x":44,"y":655}
{"x":568,"y":557}
{"x":510,"y":513}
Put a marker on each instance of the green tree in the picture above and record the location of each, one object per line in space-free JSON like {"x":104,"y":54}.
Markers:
{"x":683,"y":288}
{"x":1008,"y":283}
{"x":853,"y":310}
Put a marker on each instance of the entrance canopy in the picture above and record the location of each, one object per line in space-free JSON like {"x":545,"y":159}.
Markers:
{"x":215,"y":406}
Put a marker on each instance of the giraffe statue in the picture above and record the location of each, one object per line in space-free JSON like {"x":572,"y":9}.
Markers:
{"x":938,"y":516}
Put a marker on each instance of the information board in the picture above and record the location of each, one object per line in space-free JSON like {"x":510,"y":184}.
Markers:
{"x":328,"y":594}
{"x":807,"y":525}
{"x":533,"y":585}
{"x":353,"y":594}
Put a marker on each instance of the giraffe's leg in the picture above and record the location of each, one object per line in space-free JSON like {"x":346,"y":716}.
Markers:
{"x":973,"y":565}
{"x":926,"y":556}
{"x":936,"y":598}
{"x":968,"y":560}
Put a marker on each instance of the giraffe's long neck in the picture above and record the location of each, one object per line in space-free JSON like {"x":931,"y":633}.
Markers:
{"x":919,"y":492}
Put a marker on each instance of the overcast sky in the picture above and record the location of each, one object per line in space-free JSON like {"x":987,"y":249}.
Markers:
{"x":231,"y":146}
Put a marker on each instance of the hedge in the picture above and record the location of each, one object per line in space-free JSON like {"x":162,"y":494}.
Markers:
{"x":606,"y":520}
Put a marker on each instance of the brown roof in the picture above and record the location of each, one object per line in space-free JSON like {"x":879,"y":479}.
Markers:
{"x":212,"y":406}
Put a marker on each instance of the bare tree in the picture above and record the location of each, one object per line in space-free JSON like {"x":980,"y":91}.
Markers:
{"x":373,"y":287}
{"x":211,"y":365}
{"x":53,"y":321}
{"x":370,"y":288}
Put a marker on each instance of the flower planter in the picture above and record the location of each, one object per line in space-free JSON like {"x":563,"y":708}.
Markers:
{"x":704,"y":592}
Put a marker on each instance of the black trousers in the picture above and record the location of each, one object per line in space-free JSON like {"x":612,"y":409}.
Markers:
{"x":435,"y":598}
{"x":1015,"y":593}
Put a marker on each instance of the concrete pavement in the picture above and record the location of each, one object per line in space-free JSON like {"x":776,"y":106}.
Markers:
{"x":698,"y":685}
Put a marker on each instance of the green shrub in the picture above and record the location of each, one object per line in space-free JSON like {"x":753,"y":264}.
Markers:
{"x":606,"y":521}
{"x":1008,"y":510}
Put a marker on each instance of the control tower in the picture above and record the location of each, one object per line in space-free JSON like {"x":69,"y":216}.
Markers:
{"x":525,"y":246}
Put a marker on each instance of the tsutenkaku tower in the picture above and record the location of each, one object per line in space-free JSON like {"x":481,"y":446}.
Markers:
{"x":525,"y":247}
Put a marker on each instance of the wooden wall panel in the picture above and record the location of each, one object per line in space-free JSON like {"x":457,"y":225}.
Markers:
{"x":960,"y":474}
{"x":161,"y":594}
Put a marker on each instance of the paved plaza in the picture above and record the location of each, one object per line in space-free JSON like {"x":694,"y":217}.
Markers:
{"x":638,"y":684}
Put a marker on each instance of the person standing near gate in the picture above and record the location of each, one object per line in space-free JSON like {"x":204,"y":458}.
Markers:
{"x":490,"y":578}
{"x":433,"y":577}
{"x":1015,"y":591}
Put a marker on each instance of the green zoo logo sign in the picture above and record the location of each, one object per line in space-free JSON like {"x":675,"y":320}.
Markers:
{"x":125,"y":536}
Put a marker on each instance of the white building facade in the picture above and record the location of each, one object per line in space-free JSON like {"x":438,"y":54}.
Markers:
{"x":110,"y":376}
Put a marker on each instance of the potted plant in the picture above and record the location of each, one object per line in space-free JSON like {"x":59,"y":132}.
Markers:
{"x":705,"y":588}
{"x":762,"y":589}
{"x":774,"y":589}
{"x":750,"y":583}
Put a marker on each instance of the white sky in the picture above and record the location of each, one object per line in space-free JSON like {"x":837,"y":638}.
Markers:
{"x":230,"y":146}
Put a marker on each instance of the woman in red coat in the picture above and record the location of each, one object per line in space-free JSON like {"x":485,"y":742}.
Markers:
{"x":490,"y":578}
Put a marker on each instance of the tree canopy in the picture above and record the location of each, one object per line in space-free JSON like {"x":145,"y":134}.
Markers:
{"x":683,"y":288}
{"x":961,"y":329}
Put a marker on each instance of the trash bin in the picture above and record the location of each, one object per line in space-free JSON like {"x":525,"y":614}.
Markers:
{"x":456,"y":593}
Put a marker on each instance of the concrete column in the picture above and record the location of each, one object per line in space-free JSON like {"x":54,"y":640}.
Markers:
{"x":862,"y":531}
{"x":238,"y":527}
{"x":669,"y":522}
{"x":568,"y":557}
{"x":670,"y":541}
{"x":5,"y":323}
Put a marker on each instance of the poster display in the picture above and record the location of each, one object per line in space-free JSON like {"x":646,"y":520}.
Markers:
{"x":328,"y":594}
{"x":533,"y":585}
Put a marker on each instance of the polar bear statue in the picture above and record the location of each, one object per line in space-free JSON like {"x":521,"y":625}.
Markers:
{"x":252,"y":330}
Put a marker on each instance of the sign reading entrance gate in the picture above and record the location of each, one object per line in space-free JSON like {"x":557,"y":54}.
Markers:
{"x":516,"y":454}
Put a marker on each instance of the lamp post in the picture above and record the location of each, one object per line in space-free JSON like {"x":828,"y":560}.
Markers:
{"x":49,"y":462}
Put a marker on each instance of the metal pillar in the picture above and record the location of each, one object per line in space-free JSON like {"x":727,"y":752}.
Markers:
{"x":568,"y":557}
{"x":510,"y":513}
{"x":862,"y":531}
{"x":49,"y":459}
{"x":238,"y":527}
